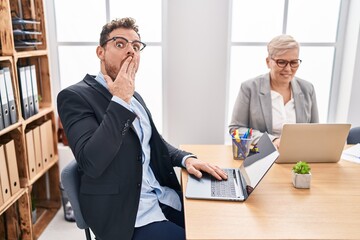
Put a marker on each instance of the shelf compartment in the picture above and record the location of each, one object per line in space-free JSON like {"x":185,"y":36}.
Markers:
{"x":41,"y":63}
{"x":22,"y":9}
{"x":28,"y":14}
{"x":46,"y":155}
{"x":16,"y":216}
{"x":45,"y":193}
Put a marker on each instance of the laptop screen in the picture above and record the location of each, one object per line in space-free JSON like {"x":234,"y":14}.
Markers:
{"x":312,"y":142}
{"x":256,"y":166}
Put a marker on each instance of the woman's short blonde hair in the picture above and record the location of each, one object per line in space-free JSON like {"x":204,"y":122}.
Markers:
{"x":280,"y":44}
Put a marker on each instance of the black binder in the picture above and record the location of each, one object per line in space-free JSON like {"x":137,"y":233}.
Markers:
{"x":29,"y":90}
{"x":1,"y":118}
{"x":34,"y":88}
{"x":10,"y":95}
{"x":4,"y":100}
{"x":23,"y":93}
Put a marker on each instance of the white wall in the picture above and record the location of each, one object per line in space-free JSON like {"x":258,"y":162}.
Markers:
{"x":195,"y":71}
{"x":346,"y":110}
{"x":354,"y":112}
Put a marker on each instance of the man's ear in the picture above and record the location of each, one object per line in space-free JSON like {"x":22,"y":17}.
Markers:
{"x":100,"y":52}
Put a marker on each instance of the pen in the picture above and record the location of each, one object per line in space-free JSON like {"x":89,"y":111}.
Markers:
{"x":245,"y":135}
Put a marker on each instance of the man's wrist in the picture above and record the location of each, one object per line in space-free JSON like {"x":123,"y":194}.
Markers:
{"x":183,"y":162}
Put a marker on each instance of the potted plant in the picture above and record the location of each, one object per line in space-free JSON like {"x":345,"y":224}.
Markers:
{"x":301,"y":175}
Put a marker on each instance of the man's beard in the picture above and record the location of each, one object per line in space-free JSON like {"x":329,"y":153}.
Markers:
{"x":111,"y":70}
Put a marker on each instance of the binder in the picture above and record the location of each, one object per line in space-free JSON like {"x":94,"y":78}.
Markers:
{"x":1,"y":117}
{"x":1,"y":114}
{"x":50,"y":140}
{"x":4,"y":101}
{"x":44,"y":145}
{"x":29,"y":135}
{"x":34,"y":88}
{"x":10,"y":95}
{"x":23,"y":93}
{"x":4,"y":177}
{"x":12,"y":166}
{"x":29,"y":90}
{"x":37,"y":148}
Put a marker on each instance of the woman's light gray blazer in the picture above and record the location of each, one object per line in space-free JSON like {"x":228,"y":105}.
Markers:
{"x":253,"y":108}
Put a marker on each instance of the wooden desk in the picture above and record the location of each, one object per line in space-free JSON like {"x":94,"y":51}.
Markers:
{"x":330,"y":209}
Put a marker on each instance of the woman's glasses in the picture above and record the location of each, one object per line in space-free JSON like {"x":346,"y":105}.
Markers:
{"x":281,"y":63}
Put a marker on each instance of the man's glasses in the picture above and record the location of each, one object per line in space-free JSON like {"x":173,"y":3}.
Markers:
{"x":121,"y":43}
{"x":281,"y":63}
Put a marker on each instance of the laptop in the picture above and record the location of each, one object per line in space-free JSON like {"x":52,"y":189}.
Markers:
{"x":312,"y":142}
{"x":241,"y":181}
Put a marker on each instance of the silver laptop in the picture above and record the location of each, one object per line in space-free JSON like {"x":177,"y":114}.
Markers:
{"x":312,"y":142}
{"x":241,"y":181}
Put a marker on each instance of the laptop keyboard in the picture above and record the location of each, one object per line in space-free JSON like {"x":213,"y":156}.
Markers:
{"x":224,"y":188}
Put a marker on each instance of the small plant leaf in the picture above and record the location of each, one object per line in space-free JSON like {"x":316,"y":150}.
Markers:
{"x":302,"y":168}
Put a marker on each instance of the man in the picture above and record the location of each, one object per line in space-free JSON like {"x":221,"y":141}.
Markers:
{"x":128,"y":186}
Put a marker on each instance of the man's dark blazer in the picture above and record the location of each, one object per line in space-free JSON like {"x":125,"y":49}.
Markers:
{"x":108,"y":151}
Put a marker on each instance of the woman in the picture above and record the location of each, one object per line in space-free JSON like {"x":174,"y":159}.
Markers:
{"x":266,"y":102}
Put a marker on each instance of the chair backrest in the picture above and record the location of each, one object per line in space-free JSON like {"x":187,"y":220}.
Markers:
{"x":70,"y":180}
{"x":354,"y":136}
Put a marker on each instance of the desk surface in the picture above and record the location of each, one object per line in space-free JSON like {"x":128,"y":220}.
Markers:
{"x":330,"y":209}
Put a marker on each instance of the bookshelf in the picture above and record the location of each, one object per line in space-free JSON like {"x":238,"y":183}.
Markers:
{"x":28,"y":142}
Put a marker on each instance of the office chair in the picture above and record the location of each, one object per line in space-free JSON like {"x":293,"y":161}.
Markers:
{"x":354,"y":136}
{"x":70,"y":179}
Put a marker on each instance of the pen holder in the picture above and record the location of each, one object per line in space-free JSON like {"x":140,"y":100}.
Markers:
{"x":241,"y":147}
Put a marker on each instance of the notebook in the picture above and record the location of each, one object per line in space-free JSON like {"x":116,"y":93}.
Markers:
{"x":241,"y":181}
{"x":312,"y":142}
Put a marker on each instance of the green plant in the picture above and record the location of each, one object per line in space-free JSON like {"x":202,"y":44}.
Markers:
{"x":302,"y":168}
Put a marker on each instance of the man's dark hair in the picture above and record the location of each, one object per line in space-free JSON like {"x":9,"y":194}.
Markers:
{"x":127,"y":23}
